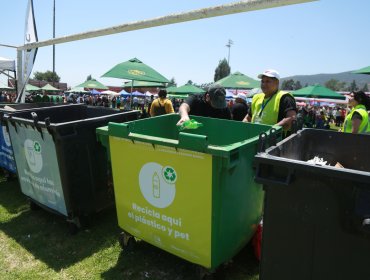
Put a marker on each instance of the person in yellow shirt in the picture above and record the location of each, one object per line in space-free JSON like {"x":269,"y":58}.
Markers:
{"x":272,"y":106}
{"x":161,"y":105}
{"x":357,"y":121}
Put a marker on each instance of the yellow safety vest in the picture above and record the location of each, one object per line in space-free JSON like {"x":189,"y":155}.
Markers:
{"x":364,"y":126}
{"x":266,"y":111}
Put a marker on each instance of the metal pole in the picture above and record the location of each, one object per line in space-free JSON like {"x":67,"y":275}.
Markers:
{"x":53,"y":38}
{"x":227,"y":9}
{"x":8,"y":46}
{"x":230,"y":42}
{"x":228,"y":57}
{"x":20,"y":76}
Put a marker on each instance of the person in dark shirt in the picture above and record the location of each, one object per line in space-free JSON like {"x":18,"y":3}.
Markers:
{"x":45,"y":97}
{"x":240,"y":107}
{"x":210,"y":104}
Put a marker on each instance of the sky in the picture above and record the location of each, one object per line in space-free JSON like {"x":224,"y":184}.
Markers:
{"x":326,"y":36}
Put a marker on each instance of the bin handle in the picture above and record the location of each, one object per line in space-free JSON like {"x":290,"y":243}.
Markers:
{"x":36,"y":123}
{"x":272,"y":137}
{"x":267,"y":181}
{"x":262,"y":142}
{"x":196,"y":142}
{"x":35,"y":118}
{"x":294,"y":127}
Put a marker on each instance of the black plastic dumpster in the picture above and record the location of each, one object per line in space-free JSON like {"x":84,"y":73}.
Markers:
{"x":61,"y":166}
{"x":316,"y":218}
{"x":6,"y":152}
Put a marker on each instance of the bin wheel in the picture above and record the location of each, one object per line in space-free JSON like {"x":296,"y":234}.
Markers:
{"x":85,"y":221}
{"x":126,"y":241}
{"x":73,"y":228}
{"x":204,"y":274}
{"x":34,"y":206}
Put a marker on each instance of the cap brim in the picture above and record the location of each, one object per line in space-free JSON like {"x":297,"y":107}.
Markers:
{"x":261,"y":75}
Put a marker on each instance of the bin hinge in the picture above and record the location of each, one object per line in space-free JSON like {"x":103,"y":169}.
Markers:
{"x":272,"y":137}
{"x":262,"y":142}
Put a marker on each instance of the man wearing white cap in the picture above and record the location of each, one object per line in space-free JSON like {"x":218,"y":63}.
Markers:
{"x":272,"y":106}
{"x":240,"y":107}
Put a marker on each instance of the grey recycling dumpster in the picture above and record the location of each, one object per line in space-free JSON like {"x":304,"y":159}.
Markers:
{"x":316,"y":218}
{"x":61,"y":166}
{"x":6,"y":152}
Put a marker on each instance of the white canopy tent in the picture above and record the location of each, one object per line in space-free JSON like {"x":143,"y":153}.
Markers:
{"x":110,"y":92}
{"x":77,"y":90}
{"x":7,"y":64}
{"x":325,"y":100}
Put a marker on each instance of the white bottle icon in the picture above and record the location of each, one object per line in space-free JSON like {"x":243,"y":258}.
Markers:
{"x":156,"y":184}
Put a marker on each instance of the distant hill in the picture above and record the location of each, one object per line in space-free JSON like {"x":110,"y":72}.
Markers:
{"x":321,"y":79}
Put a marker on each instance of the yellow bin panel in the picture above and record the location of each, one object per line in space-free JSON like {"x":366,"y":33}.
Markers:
{"x":164,"y":197}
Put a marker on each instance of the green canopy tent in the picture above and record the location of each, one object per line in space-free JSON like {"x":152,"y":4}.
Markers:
{"x":238,"y":81}
{"x":30,"y":88}
{"x":180,"y":96}
{"x":143,"y":84}
{"x":171,"y":89}
{"x":365,"y":70}
{"x":49,"y":87}
{"x":185,"y":89}
{"x":92,"y":84}
{"x":135,"y":70}
{"x":318,"y":92}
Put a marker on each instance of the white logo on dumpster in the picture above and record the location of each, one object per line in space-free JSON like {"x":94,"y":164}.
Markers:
{"x":157,"y":184}
{"x":32,"y":150}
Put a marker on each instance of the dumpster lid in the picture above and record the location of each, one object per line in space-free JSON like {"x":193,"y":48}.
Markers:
{"x":293,"y":153}
{"x":59,"y":116}
{"x":207,"y":139}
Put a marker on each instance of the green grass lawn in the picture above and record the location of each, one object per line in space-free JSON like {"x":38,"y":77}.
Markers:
{"x":35,"y":244}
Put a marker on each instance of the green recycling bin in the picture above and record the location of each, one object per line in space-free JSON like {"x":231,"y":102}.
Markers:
{"x":190,"y":193}
{"x":61,"y":166}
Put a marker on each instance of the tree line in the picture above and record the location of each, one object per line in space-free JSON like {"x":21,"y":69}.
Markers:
{"x":332,"y":84}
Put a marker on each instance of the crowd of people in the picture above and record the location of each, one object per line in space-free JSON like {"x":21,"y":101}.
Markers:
{"x":7,"y":97}
{"x":321,"y":116}
{"x":271,"y":106}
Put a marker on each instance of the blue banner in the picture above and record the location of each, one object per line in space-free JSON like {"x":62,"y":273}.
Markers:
{"x":6,"y":152}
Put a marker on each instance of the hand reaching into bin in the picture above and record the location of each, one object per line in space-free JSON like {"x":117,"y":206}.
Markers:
{"x":210,"y":104}
{"x":190,"y":124}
